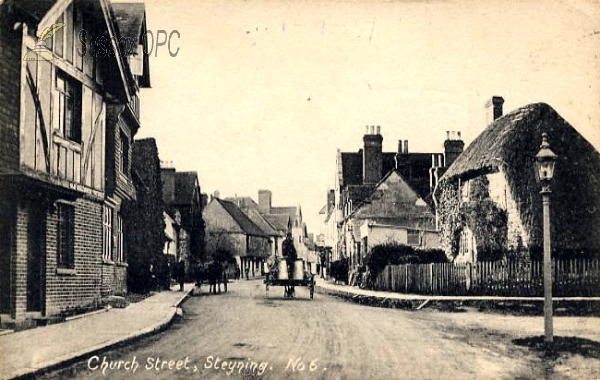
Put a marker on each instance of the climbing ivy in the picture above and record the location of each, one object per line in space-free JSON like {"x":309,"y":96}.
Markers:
{"x":487,"y":221}
{"x":450,"y":218}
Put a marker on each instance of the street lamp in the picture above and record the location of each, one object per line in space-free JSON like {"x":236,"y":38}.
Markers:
{"x":544,"y":165}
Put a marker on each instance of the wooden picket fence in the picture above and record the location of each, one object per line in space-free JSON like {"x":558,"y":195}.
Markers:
{"x":571,"y":278}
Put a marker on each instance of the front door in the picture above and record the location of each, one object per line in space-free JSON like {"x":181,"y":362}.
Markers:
{"x":7,"y":222}
{"x":36,"y":243}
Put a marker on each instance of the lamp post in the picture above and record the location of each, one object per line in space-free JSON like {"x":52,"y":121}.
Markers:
{"x":544,"y":164}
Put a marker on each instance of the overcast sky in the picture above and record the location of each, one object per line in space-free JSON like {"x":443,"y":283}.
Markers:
{"x":262,"y":94}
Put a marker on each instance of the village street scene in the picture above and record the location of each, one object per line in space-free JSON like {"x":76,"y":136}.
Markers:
{"x":299,"y":190}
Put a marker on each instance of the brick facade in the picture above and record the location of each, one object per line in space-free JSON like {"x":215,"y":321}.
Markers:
{"x":51,"y":206}
{"x":65,"y":292}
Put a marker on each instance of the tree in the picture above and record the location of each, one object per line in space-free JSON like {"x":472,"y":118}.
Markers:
{"x":219,"y":246}
{"x":144,"y":222}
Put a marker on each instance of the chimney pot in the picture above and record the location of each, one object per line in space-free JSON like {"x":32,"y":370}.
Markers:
{"x":399,"y":146}
{"x":459,"y":135}
{"x":378,"y":129}
{"x":447,"y":135}
{"x":366,"y":129}
{"x":405,"y":146}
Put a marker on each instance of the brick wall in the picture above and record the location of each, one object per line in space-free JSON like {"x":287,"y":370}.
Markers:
{"x":64,"y":292}
{"x":19,"y":263}
{"x":10,"y":64}
{"x":114,"y":279}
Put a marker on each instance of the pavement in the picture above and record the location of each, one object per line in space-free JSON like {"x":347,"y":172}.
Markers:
{"x":24,"y":354}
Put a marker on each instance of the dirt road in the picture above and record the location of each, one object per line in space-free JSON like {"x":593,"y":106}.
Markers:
{"x":243,"y":335}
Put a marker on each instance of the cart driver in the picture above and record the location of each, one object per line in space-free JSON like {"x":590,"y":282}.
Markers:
{"x":289,"y":252}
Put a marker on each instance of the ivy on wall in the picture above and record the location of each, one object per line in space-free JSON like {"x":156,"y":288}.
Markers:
{"x":487,"y":221}
{"x":450,"y":218}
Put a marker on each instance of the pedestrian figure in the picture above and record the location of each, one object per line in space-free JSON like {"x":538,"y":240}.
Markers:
{"x":180,"y":273}
{"x":225,"y":279}
{"x":199,"y":278}
{"x":247,"y":270}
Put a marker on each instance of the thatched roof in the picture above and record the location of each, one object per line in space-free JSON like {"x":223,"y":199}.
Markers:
{"x":510,"y":144}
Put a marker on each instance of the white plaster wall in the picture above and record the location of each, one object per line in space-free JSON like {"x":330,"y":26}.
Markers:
{"x":502,"y":196}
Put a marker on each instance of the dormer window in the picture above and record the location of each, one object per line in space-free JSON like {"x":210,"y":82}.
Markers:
{"x":68,"y":107}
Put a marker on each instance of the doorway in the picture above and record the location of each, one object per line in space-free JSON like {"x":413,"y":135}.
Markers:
{"x":36,"y":244}
{"x":7,"y":222}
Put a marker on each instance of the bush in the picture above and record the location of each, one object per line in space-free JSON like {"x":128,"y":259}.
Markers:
{"x":339,"y":270}
{"x":432,"y":255}
{"x":392,"y":253}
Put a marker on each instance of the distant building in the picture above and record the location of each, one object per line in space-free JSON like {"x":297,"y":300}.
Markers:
{"x":359,"y":174}
{"x":489,"y":199}
{"x":228,"y":228}
{"x":250,"y":208}
{"x":392,"y":213}
{"x":172,"y":233}
{"x":183,"y":202}
{"x":296,"y":226}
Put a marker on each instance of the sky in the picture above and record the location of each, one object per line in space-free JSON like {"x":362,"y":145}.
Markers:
{"x":262,"y":94}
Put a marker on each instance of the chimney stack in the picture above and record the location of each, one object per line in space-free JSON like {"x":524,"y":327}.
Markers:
{"x":217,"y":195}
{"x":372,"y":156}
{"x":264,"y":201}
{"x":401,"y":159}
{"x":453,"y":147}
{"x":494,"y":108}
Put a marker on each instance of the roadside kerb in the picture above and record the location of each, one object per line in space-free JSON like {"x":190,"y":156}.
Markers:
{"x":73,"y":357}
{"x":357,"y":294}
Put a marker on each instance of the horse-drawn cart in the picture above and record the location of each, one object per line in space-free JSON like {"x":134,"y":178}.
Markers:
{"x":290,"y":283}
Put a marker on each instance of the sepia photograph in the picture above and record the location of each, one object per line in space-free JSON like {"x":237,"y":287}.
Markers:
{"x":300,"y":189}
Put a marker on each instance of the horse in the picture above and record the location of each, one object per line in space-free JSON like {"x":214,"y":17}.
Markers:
{"x":215,"y":277}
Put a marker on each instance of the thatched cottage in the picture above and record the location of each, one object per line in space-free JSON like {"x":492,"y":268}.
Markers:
{"x":489,"y":200}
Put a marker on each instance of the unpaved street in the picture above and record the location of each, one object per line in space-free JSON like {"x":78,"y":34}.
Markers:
{"x":243,"y":335}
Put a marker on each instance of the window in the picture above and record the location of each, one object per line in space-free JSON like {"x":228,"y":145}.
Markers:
{"x":124,"y":164}
{"x":68,"y":104}
{"x":120,"y":254}
{"x":66,"y":235}
{"x":413,"y":237}
{"x":107,"y":233}
{"x":467,"y":251}
{"x":465,"y":191}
